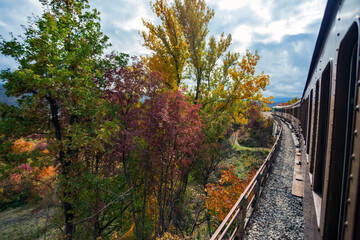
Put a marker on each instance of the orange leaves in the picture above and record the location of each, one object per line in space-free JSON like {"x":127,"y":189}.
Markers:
{"x":21,"y":146}
{"x":223,"y":195}
{"x":29,"y":181}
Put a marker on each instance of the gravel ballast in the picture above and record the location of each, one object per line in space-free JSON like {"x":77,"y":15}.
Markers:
{"x":279,"y":214}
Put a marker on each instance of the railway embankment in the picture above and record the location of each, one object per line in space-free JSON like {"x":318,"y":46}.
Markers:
{"x":279,"y":214}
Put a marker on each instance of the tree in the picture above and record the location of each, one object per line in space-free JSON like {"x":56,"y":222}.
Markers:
{"x":168,"y":43}
{"x":223,"y":83}
{"x":126,"y":89}
{"x":179,"y":43}
{"x":175,"y":136}
{"x":227,"y":86}
{"x":155,"y":145}
{"x":236,"y":87}
{"x":223,"y":195}
{"x":55,"y":82}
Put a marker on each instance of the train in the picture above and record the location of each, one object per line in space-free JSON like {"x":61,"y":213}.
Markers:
{"x":327,"y":119}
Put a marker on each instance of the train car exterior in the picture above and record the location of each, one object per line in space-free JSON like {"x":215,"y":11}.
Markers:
{"x":328,"y":118}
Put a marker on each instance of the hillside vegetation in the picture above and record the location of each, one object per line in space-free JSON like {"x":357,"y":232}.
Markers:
{"x":120,"y":147}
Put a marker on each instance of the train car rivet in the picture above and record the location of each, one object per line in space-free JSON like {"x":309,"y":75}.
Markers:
{"x":346,"y":223}
{"x":355,"y":132}
{"x":353,"y":156}
{"x":351,"y":176}
{"x":348,"y":200}
{"x":357,"y":108}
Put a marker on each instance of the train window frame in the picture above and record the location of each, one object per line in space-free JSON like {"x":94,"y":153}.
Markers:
{"x":310,"y":122}
{"x":323,"y":124}
{"x":314,"y":126}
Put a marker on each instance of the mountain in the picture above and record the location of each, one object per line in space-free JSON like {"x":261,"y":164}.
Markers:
{"x":6,"y":99}
{"x":278,"y":100}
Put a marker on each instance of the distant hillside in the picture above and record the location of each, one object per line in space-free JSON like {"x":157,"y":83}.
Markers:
{"x":5,"y":99}
{"x":278,"y":100}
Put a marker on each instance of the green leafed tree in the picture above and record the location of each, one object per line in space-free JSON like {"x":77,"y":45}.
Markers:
{"x":55,"y":82}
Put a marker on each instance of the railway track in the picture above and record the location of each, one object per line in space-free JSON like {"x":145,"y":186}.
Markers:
{"x":279,"y":214}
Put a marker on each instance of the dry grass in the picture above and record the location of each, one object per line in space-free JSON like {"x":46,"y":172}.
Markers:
{"x":25,"y":223}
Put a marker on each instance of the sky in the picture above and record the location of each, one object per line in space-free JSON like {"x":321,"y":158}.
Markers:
{"x":283,"y":32}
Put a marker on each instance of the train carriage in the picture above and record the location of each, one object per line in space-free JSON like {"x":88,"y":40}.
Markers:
{"x":328,"y":118}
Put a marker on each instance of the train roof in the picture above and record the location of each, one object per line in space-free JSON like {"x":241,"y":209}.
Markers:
{"x":329,"y":14}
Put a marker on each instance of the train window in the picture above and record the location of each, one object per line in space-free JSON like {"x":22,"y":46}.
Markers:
{"x":305,"y":119}
{"x":309,"y":125}
{"x":314,"y":127}
{"x":324,"y":104}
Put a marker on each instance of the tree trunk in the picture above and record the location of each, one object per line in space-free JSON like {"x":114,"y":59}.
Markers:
{"x":65,"y":169}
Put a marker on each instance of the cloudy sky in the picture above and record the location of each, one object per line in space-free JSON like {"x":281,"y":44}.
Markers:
{"x":283,"y":31}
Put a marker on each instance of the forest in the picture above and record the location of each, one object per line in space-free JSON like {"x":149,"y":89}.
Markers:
{"x":112,"y":146}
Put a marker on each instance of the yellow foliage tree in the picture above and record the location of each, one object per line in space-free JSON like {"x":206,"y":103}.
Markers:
{"x":236,"y":86}
{"x":179,"y":43}
{"x":182,"y":50}
{"x":168,"y":44}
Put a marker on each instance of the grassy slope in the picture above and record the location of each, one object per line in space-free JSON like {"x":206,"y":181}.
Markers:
{"x":245,"y":158}
{"x":23,"y":223}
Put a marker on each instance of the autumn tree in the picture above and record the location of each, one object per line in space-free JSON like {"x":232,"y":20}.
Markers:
{"x":168,"y":43}
{"x":236,"y":88}
{"x":222,"y":196}
{"x":126,"y":89}
{"x":179,"y":42}
{"x":224,"y":83}
{"x":155,"y":144}
{"x":55,"y":82}
{"x":175,"y":137}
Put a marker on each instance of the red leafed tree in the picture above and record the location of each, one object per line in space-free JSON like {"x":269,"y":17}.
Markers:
{"x":172,"y":125}
{"x":158,"y":134}
{"x":127,"y":87}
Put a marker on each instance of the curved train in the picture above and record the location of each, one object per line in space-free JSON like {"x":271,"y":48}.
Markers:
{"x":327,"y":119}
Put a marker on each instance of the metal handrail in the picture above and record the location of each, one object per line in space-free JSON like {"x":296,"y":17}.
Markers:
{"x":242,"y":210}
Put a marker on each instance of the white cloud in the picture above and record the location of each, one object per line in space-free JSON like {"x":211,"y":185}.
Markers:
{"x":134,"y":20}
{"x":298,"y":46}
{"x":243,"y":38}
{"x":232,"y":5}
{"x":2,"y":24}
{"x":272,"y":24}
